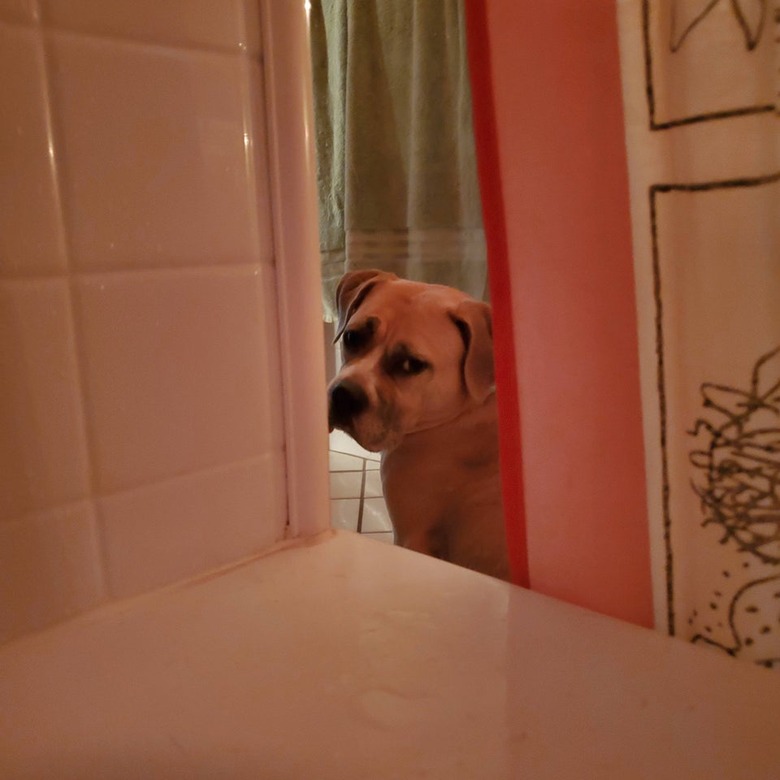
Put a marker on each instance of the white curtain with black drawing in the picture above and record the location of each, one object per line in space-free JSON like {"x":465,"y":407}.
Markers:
{"x":700,"y":81}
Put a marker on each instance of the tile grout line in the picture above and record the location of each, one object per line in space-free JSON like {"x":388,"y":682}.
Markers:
{"x":226,"y":267}
{"x":362,"y":497}
{"x":142,"y":41}
{"x":205,"y":471}
{"x":353,"y":454}
{"x":56,"y":161}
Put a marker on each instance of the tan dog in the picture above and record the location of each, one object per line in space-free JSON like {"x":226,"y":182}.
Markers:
{"x":417,"y":384}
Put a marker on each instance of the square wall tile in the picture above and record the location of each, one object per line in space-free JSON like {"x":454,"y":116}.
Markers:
{"x":165,"y":532}
{"x":182,"y":370}
{"x":344,"y":513}
{"x":375,"y":516}
{"x":18,"y":11}
{"x":340,"y":462}
{"x":200,"y":23}
{"x":43,"y":453}
{"x":373,"y":485}
{"x":49,"y":568}
{"x":346,"y":484}
{"x":31,"y":237}
{"x":156,"y":166}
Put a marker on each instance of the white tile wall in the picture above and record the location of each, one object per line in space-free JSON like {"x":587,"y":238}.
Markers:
{"x":141,"y":433}
{"x":50,"y":567}
{"x":198,"y":348}
{"x":205,"y":519}
{"x":154,"y":177}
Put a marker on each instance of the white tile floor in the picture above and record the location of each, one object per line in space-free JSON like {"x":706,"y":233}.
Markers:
{"x":356,"y":490}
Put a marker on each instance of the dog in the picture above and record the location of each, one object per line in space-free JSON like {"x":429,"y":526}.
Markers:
{"x":417,"y":385}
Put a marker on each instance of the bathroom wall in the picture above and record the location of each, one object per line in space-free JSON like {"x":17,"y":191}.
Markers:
{"x":141,"y":433}
{"x":556,"y":77}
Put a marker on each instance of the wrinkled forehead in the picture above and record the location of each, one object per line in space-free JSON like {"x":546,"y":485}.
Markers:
{"x":411,"y":299}
{"x":414,"y":314}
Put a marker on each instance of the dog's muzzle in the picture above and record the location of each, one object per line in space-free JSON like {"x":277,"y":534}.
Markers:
{"x":345,"y":402}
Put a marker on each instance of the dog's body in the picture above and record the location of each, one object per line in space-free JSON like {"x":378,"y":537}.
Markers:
{"x":417,"y":385}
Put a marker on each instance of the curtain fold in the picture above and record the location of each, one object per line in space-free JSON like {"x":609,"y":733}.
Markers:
{"x":700,"y":84}
{"x":396,"y":162}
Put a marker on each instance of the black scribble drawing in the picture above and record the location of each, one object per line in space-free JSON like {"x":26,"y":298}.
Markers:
{"x":687,"y":15}
{"x":739,"y":470}
{"x":737,"y":479}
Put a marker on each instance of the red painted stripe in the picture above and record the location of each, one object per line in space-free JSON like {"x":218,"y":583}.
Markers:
{"x":493,"y":217}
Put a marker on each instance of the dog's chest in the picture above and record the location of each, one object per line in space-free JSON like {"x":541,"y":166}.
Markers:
{"x":430,"y":475}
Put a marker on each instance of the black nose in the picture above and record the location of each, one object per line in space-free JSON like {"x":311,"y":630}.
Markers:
{"x":347,"y":400}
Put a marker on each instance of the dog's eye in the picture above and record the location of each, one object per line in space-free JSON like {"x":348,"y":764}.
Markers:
{"x":353,"y":339}
{"x":411,"y":366}
{"x":359,"y":336}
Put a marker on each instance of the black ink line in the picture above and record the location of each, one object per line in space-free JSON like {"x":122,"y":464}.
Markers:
{"x":724,"y":184}
{"x":675,"y":46}
{"x":661,"y":385}
{"x":649,"y":87}
{"x":751,"y":41}
{"x":769,"y":108}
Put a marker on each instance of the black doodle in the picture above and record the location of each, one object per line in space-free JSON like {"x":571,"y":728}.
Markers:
{"x":753,"y":27}
{"x":655,"y":192}
{"x":738,"y":479}
{"x":738,"y":483}
{"x":753,"y":623}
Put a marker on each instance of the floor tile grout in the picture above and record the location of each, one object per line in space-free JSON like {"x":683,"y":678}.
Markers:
{"x":367,"y":465}
{"x":352,"y":455}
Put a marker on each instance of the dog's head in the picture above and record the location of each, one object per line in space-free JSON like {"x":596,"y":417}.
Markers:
{"x":415,"y":356}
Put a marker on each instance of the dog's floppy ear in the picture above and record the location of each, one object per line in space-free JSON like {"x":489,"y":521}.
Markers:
{"x":474,"y":321}
{"x":351,"y":292}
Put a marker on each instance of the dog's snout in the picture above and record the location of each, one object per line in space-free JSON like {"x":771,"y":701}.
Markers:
{"x":347,"y":400}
